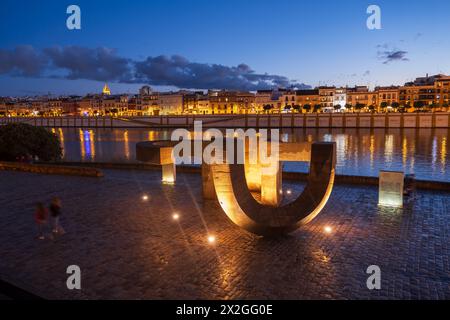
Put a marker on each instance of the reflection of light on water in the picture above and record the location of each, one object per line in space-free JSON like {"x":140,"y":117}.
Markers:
{"x":341,"y":149}
{"x":388,"y":149}
{"x":413,"y":153}
{"x":87,"y":143}
{"x":443,"y":153}
{"x":327,"y":137}
{"x":372,"y":150}
{"x":61,"y":139}
{"x":87,"y":146}
{"x":434,"y":150}
{"x":92,"y":144}
{"x":309,"y":138}
{"x":284,"y":137}
{"x":151,"y":135}
{"x":404,"y":151}
{"x":82,"y":147}
{"x":126,"y":145}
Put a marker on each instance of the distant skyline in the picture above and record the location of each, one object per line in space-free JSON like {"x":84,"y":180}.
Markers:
{"x":233,"y":44}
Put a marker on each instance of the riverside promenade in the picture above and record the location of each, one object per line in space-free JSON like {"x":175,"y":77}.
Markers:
{"x":131,"y":248}
{"x":280,"y":120}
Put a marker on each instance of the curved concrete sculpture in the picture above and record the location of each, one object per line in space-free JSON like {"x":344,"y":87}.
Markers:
{"x":242,"y":208}
{"x":228,"y":184}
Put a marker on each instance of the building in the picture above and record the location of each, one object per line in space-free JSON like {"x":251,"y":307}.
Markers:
{"x":359,"y":98}
{"x":340,"y":98}
{"x":145,"y":91}
{"x":196,"y":103}
{"x":170,"y":103}
{"x":326,"y":95}
{"x":231,"y":102}
{"x":309,"y":98}
{"x":387,"y":96}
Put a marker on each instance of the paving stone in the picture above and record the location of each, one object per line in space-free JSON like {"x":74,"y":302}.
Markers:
{"x":131,"y":249}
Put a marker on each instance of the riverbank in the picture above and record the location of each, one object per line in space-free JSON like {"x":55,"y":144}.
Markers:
{"x":283,"y":120}
{"x":290,"y":176}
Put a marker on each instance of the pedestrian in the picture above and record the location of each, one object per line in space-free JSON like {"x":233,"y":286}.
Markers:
{"x":40,"y":217}
{"x":55,"y":211}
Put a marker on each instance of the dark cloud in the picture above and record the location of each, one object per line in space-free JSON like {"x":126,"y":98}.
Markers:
{"x":387,"y":55}
{"x":178,"y":71}
{"x":103,"y":64}
{"x":22,"y":61}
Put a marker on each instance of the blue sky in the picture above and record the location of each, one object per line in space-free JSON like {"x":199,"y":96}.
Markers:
{"x":311,"y":42}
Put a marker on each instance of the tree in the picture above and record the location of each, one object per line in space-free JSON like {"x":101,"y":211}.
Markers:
{"x":297,"y":107}
{"x":267,"y":107}
{"x":288,"y":107}
{"x":317,"y":107}
{"x":23,"y":140}
{"x":384,"y":105}
{"x":395,"y":105}
{"x":372,"y":108}
{"x":419,"y":104}
{"x":307,"y":107}
{"x":337,"y":107}
{"x":348,"y":106}
{"x":359,"y":106}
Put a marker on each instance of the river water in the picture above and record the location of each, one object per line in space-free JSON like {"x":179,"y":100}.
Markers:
{"x":364,"y":152}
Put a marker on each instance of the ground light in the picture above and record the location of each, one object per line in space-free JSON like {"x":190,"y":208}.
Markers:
{"x":176,"y":216}
{"x":328,"y":229}
{"x":145,"y":197}
{"x":211,"y":239}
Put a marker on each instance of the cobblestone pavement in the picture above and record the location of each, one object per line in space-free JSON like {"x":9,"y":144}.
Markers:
{"x":132,"y":249}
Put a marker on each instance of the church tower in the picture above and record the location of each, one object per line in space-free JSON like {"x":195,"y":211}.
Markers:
{"x":106,"y":90}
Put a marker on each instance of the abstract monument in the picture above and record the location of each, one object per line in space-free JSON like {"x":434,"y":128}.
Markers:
{"x":232,"y":184}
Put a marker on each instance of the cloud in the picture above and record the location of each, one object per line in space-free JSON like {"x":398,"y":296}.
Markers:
{"x":101,"y":64}
{"x":388,"y":55}
{"x":367,"y":73}
{"x":22,"y":61}
{"x":182,"y":73}
{"x":104,"y":64}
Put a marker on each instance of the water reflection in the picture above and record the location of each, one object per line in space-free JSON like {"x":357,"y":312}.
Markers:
{"x":359,"y":151}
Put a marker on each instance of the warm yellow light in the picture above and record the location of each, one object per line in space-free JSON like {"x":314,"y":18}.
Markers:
{"x":211,"y":239}
{"x":328,"y":229}
{"x":288,"y":191}
{"x":168,"y":180}
{"x":145,"y":197}
{"x":176,"y":216}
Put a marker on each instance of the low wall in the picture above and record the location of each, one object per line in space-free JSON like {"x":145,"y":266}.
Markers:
{"x":293,"y":176}
{"x":285,"y":120}
{"x":52,"y":169}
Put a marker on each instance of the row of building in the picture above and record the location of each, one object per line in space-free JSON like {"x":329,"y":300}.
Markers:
{"x":423,"y":93}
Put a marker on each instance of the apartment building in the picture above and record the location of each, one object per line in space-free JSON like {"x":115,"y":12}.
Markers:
{"x":326,"y":95}
{"x":231,"y":102}
{"x":308,"y":97}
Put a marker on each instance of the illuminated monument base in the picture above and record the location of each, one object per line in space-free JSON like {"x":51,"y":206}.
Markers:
{"x":231,"y":185}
